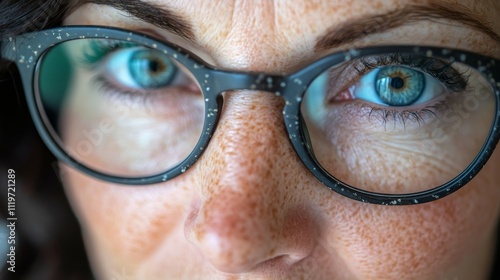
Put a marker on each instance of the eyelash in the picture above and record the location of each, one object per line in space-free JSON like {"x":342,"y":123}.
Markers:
{"x":404,"y":116}
{"x":439,"y":69}
{"x":128,"y":97}
{"x":453,"y":80}
{"x":96,"y":52}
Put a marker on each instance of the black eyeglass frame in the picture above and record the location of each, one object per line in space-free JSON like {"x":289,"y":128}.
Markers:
{"x":26,"y":50}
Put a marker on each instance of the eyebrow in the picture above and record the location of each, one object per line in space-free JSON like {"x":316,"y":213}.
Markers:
{"x":356,"y":29}
{"x":345,"y":33}
{"x":148,"y":12}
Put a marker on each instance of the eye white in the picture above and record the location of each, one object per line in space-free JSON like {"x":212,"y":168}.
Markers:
{"x":117,"y":67}
{"x":365,"y":89}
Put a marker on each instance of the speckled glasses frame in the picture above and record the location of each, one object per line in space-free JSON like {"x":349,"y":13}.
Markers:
{"x":26,"y":51}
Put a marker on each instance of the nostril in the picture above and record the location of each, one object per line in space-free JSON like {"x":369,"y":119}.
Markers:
{"x":231,"y":254}
{"x":232,"y":244}
{"x":278,"y":266}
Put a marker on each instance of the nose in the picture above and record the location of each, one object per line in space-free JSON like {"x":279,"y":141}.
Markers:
{"x":250,"y":212}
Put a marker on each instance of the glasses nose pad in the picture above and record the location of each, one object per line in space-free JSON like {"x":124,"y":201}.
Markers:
{"x":217,"y":115}
{"x":305,"y":135}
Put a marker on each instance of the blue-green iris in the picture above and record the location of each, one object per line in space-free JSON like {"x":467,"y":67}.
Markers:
{"x":151,"y":69}
{"x":399,"y":86}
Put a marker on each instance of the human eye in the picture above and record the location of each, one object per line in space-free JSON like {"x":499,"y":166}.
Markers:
{"x":139,"y":68}
{"x":123,"y":108}
{"x":407,"y":83}
{"x":376,"y":121}
{"x":129,"y":68}
{"x":397,"y":86}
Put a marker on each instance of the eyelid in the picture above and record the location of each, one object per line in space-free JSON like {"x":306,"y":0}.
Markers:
{"x":345,"y":76}
{"x":454,"y":80}
{"x":340,"y":79}
{"x":97,"y":50}
{"x":178,"y":41}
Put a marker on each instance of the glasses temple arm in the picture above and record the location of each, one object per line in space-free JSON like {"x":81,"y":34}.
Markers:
{"x":7,"y":50}
{"x":4,"y":62}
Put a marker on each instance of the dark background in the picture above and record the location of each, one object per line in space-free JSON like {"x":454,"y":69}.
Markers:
{"x":48,"y":239}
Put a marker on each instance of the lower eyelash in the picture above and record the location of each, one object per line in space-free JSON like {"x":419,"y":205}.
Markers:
{"x":146,"y":101}
{"x":421,"y":116}
{"x":130,"y":98}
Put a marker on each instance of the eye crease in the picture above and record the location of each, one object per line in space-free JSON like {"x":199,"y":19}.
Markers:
{"x":142,"y":68}
{"x":399,"y":88}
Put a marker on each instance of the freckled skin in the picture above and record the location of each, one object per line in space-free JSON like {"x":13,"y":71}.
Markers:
{"x":249,"y":209}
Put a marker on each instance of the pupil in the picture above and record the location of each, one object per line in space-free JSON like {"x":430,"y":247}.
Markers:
{"x":153,"y":66}
{"x":397,"y":83}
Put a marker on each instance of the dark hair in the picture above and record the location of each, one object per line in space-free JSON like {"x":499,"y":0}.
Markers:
{"x":48,"y":241}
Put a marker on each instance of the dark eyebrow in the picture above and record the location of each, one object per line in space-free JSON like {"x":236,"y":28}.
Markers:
{"x":154,"y":14}
{"x":356,"y":29}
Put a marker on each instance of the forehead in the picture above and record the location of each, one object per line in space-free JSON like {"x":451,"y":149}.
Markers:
{"x":276,"y":35}
{"x":316,"y":13}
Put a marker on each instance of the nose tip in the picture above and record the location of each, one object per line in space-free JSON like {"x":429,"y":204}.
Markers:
{"x":233,"y":255}
{"x":235,"y":244}
{"x":246,"y":257}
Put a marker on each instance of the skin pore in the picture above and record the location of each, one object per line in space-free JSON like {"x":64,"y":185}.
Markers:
{"x":249,"y":209}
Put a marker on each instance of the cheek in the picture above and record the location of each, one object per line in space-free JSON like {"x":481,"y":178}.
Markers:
{"x":126,"y":134}
{"x":420,"y":241}
{"x":127,"y":223}
{"x":387,"y":151}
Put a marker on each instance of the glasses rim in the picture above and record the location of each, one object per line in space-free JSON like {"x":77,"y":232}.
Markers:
{"x":26,"y":51}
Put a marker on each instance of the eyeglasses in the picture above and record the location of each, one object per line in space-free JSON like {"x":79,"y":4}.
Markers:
{"x":389,"y":125}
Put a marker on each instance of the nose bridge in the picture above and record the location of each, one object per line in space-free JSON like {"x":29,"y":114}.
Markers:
{"x":249,"y":143}
{"x":246,"y":182}
{"x":226,"y":81}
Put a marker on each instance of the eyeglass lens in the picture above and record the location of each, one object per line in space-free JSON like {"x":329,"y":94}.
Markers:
{"x":398,"y":123}
{"x":120,"y":108}
{"x":375,"y":123}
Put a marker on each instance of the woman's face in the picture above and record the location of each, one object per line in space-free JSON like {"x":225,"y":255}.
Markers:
{"x":249,"y":208}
